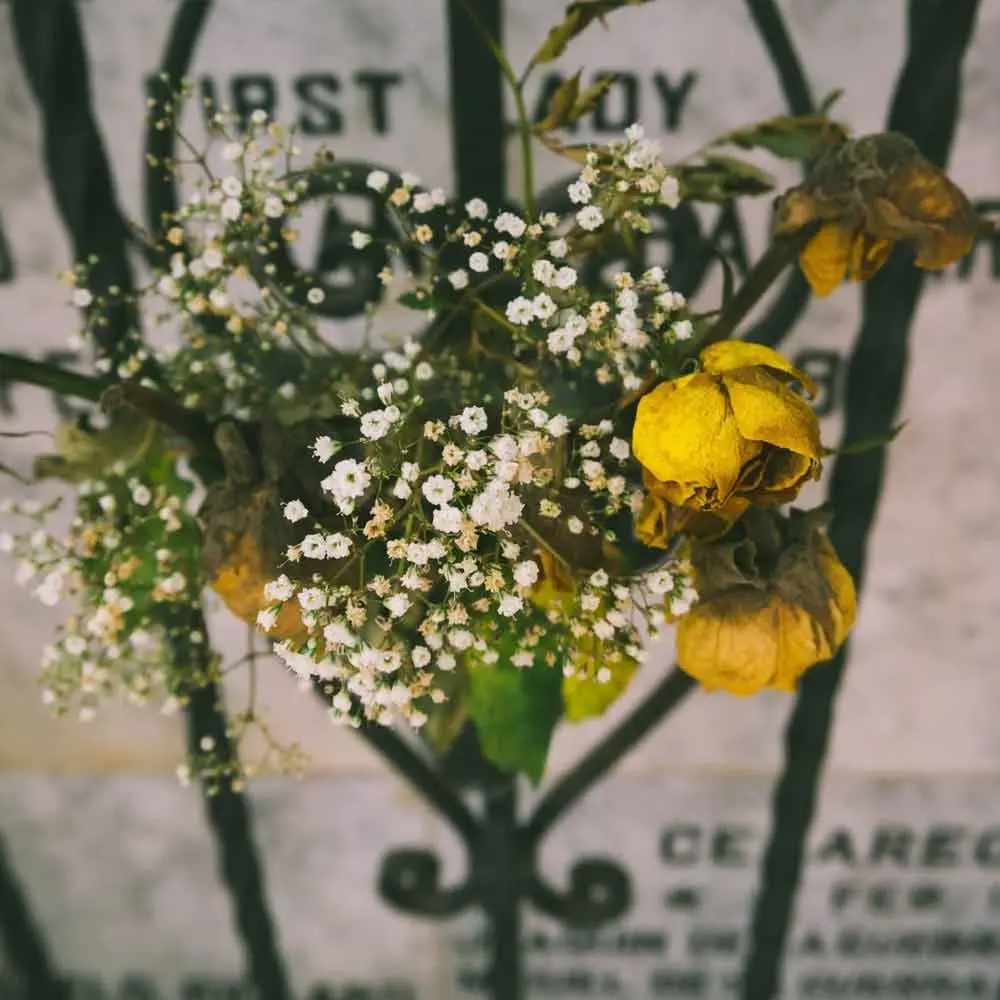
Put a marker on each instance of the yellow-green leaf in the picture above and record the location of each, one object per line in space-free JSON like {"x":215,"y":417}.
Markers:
{"x":585,"y":697}
{"x":579,"y":16}
{"x":515,"y":709}
{"x":562,"y":104}
{"x":87,"y":454}
{"x":589,"y":97}
{"x":445,"y":719}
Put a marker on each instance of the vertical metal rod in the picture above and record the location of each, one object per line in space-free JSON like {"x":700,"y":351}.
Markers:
{"x":499,"y":870}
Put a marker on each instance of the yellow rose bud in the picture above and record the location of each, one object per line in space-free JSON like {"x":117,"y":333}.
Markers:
{"x":730,"y":435}
{"x":773,"y":602}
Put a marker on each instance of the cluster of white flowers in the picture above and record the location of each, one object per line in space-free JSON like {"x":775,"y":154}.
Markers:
{"x":119,"y":566}
{"x":471,"y":530}
{"x":471,"y":508}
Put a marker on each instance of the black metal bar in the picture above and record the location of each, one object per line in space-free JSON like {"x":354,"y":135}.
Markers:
{"x":424,"y":779}
{"x":50,"y":43}
{"x":925,"y":107}
{"x":22,"y":940}
{"x":670,"y":692}
{"x":478,"y":129}
{"x":159,"y":188}
{"x":228,"y":815}
{"x":788,"y":307}
{"x":498,"y":869}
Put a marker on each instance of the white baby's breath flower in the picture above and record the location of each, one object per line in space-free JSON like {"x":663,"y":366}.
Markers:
{"x":520,"y":311}
{"x":438,"y":490}
{"x":670,"y":191}
{"x":279,"y":590}
{"x":295,"y":510}
{"x":526,"y":573}
{"x":619,"y":448}
{"x":375,"y":425}
{"x":479,"y":262}
{"x":510,"y":605}
{"x":377,"y":180}
{"x":590,"y":218}
{"x":543,"y":306}
{"x":544,"y":271}
{"x":324,"y":448}
{"x":476,"y":208}
{"x":473,"y":420}
{"x":513,"y":225}
{"x":397,"y":605}
{"x":448,"y":519}
{"x":565,"y":278}
{"x":360,"y":239}
{"x":459,"y":279}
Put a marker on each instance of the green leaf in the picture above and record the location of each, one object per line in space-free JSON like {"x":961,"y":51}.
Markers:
{"x":591,"y":95}
{"x":585,"y":697}
{"x":445,"y":720}
{"x":87,"y":454}
{"x":562,"y":104}
{"x":515,"y":711}
{"x":420,"y":300}
{"x":579,"y":16}
{"x":830,"y":100}
{"x":721,"y":178}
{"x":791,"y":137}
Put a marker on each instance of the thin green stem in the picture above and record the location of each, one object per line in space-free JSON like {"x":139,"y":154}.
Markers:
{"x":516,"y":85}
{"x":782,"y":252}
{"x":15,"y":368}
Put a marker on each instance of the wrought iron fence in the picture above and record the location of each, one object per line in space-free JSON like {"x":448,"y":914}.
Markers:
{"x":501,"y":844}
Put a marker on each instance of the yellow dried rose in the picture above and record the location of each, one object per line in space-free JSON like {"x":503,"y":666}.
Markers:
{"x":868,"y":194}
{"x":714,"y":442}
{"x":240,"y":575}
{"x":772,"y":603}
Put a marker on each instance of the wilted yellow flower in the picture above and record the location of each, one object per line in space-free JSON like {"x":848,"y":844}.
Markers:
{"x":240,"y":576}
{"x":714,"y":442}
{"x":870,"y":193}
{"x":772,"y":603}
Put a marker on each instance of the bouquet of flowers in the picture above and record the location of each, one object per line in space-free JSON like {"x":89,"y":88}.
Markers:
{"x":491,"y":520}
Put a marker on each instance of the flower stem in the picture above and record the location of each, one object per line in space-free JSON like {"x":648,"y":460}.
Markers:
{"x":516,"y":85}
{"x":15,"y":368}
{"x":782,"y":251}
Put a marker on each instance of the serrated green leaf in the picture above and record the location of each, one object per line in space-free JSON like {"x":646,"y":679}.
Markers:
{"x":515,"y":711}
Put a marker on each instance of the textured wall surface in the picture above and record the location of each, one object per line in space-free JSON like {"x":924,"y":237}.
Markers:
{"x":114,"y":859}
